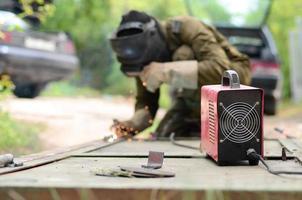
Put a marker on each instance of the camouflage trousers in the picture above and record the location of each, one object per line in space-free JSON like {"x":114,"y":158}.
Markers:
{"x":178,"y":120}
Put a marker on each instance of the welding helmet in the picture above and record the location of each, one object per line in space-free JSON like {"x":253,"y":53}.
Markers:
{"x":138,"y":41}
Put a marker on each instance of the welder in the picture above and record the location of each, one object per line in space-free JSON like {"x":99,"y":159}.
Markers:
{"x":184,"y":53}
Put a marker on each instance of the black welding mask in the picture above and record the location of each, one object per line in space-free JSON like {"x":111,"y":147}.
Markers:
{"x":137,"y":42}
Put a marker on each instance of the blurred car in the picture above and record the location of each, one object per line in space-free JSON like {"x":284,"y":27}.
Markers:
{"x":259,"y":45}
{"x":33,"y":58}
{"x":244,"y":24}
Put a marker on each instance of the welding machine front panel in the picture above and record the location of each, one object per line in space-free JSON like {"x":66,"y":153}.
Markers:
{"x":239,"y":123}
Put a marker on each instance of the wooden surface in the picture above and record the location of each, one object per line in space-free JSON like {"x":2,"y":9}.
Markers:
{"x":272,"y":149}
{"x":142,"y":148}
{"x":194,"y":172}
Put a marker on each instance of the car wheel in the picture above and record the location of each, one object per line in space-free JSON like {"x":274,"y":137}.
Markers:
{"x":28,"y":90}
{"x":270,"y":105}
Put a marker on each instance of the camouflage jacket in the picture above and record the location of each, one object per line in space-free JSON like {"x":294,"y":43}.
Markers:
{"x":190,"y":39}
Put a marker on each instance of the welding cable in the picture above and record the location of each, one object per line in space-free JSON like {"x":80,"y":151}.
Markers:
{"x":251,"y":153}
{"x":172,"y":140}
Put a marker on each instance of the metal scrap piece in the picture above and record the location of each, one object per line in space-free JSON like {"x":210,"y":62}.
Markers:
{"x":6,"y":159}
{"x":119,"y":173}
{"x":155,"y":160}
{"x":283,"y":153}
{"x":111,"y":172}
{"x":15,"y":164}
{"x":154,"y":172}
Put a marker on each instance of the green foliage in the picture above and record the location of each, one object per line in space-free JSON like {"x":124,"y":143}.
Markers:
{"x":281,"y":21}
{"x":210,"y":10}
{"x":16,"y":136}
{"x":6,"y":86}
{"x":257,"y":13}
{"x":87,"y":23}
{"x":42,"y":10}
{"x":84,"y":19}
{"x":120,"y":84}
{"x":65,"y":88}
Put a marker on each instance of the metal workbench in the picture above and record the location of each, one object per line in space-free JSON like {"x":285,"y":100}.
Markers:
{"x":66,"y":174}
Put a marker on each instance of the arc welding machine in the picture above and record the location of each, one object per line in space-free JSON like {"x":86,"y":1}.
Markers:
{"x":231,"y":120}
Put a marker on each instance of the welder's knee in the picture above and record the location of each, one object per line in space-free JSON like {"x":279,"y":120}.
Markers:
{"x":180,"y":126}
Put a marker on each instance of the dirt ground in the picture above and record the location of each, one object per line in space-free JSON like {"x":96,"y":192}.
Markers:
{"x":71,"y":121}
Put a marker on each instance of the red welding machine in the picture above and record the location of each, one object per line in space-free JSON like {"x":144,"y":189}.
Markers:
{"x":231,"y":120}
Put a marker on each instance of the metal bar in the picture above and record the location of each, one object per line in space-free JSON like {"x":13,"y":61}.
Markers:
{"x":44,"y":158}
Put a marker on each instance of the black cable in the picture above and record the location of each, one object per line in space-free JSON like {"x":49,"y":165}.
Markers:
{"x":251,"y":153}
{"x":172,"y":140}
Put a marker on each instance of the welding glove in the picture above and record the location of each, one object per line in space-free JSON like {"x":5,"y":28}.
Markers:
{"x":140,"y":121}
{"x":178,"y":74}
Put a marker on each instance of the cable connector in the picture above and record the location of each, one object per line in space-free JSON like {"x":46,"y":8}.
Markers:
{"x":252,"y":156}
{"x":251,"y":153}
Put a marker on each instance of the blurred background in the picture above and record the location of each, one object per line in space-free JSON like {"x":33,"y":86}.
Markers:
{"x":55,"y":56}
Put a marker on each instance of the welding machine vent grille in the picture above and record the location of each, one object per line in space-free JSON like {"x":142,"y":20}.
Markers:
{"x":211,"y":122}
{"x":239,"y":122}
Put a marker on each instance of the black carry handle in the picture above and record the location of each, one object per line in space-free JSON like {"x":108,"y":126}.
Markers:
{"x":230,"y":78}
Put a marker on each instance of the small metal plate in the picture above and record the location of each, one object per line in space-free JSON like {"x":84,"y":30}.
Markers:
{"x":155,"y":160}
